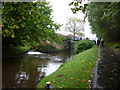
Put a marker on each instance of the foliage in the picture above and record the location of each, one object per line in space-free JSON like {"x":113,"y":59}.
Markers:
{"x":78,"y":6}
{"x":18,"y":49}
{"x":47,"y":48}
{"x":104,"y":19}
{"x":27,"y":22}
{"x":59,"y":38}
{"x":83,"y":45}
{"x":14,"y":51}
{"x":73,"y":74}
{"x":75,"y":26}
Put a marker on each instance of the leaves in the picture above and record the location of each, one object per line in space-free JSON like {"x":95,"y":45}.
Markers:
{"x":85,"y":5}
{"x":83,"y":10}
{"x":78,"y":6}
{"x":102,"y":15}
{"x":71,"y":3}
{"x":28,"y":21}
{"x":78,"y":84}
{"x":61,"y":75}
{"x":54,"y":82}
{"x":75,"y":4}
{"x":83,"y":80}
{"x":13,"y":36}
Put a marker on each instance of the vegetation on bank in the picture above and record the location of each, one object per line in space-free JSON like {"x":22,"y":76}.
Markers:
{"x":14,"y":50}
{"x":74,"y":74}
{"x":115,"y":46}
{"x":83,"y":45}
{"x":48,"y":48}
{"x":19,"y":49}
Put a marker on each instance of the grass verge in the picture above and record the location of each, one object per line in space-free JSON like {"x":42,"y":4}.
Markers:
{"x":114,"y":45}
{"x":74,"y":74}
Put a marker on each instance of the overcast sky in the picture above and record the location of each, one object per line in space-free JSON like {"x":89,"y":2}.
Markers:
{"x":61,"y":11}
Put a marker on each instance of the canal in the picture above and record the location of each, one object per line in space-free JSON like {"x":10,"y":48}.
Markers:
{"x":28,"y":70}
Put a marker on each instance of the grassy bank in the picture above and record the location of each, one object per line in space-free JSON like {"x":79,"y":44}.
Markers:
{"x":74,"y":74}
{"x":114,"y":46}
{"x":14,"y":50}
{"x":19,"y":49}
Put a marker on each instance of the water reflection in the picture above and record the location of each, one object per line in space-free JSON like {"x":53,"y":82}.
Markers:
{"x":27,"y":71}
{"x":41,"y":71}
{"x":21,"y":78}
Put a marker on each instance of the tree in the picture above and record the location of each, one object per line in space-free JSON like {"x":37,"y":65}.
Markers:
{"x":75,"y":26}
{"x":77,"y":6}
{"x":104,"y":19}
{"x":27,"y":22}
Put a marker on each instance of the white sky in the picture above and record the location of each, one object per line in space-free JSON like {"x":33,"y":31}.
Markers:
{"x":62,"y":10}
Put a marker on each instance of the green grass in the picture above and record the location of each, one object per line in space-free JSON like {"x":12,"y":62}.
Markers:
{"x":112,"y":45}
{"x":74,"y":74}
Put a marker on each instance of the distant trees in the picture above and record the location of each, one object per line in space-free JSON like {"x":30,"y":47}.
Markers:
{"x":75,"y":26}
{"x":27,"y":23}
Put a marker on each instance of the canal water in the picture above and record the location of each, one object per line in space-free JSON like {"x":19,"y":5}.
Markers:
{"x":28,"y":70}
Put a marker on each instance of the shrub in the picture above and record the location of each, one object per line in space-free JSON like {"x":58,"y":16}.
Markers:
{"x":83,"y":45}
{"x":47,"y":48}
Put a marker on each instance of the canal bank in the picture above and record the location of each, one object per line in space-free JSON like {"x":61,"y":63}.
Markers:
{"x":14,"y":51}
{"x":74,"y":74}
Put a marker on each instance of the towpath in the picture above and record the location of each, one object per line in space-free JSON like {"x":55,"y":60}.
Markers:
{"x":107,"y":71}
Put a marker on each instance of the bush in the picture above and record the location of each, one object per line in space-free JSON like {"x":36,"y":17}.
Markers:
{"x":47,"y":48}
{"x":83,"y":45}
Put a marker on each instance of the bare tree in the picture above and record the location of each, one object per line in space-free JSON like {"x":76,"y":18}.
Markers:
{"x":75,"y":26}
